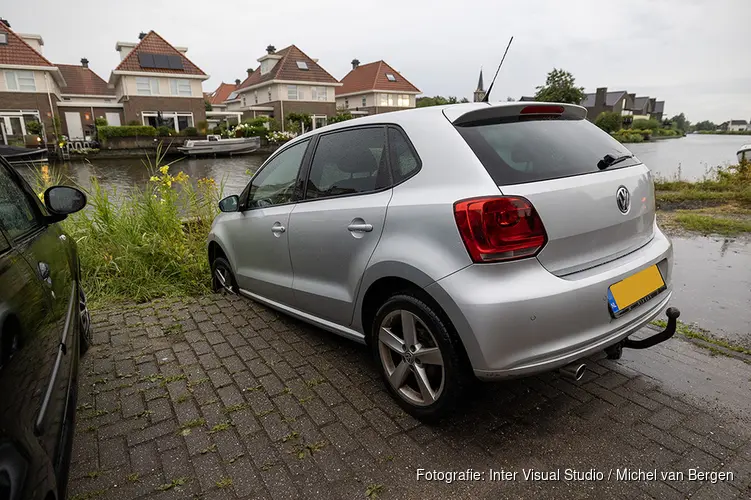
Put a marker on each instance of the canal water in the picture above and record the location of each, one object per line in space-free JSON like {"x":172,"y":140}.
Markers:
{"x":712,"y":276}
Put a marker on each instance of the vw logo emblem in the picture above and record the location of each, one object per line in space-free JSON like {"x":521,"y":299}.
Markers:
{"x":623,"y":199}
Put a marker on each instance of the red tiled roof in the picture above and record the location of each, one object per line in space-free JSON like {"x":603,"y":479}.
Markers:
{"x":221,"y":93}
{"x":372,"y":76}
{"x":17,"y":51}
{"x":152,"y":43}
{"x":83,"y":81}
{"x":286,"y":69}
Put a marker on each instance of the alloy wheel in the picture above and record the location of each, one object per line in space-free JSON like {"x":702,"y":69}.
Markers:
{"x":411,"y":358}
{"x":223,"y":279}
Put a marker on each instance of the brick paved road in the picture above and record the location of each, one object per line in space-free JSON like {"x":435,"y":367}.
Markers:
{"x":223,"y":398}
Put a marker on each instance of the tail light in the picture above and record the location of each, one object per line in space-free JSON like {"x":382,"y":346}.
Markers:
{"x":499,"y":228}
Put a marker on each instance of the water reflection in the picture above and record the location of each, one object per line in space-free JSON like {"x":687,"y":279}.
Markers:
{"x":122,"y":174}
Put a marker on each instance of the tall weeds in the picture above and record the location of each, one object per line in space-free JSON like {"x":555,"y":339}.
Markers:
{"x":149,"y":242}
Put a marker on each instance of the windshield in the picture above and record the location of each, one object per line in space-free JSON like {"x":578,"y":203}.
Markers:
{"x":537,"y":150}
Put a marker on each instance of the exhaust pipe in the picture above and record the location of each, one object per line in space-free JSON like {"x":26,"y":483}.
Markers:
{"x":574,"y":371}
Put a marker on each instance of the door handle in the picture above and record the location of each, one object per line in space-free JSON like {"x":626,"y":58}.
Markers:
{"x":44,"y":272}
{"x":278,"y":229}
{"x":360,"y":228}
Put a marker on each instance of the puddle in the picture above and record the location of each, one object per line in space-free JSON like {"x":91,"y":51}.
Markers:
{"x":712,"y":281}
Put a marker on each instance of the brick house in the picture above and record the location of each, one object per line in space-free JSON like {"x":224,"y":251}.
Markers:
{"x":155,"y":79}
{"x":29,"y":85}
{"x":223,"y":97}
{"x":375,"y":88}
{"x":85,"y":97}
{"x":287,"y":81}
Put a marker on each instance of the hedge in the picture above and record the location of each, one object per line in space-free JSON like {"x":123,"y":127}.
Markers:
{"x":106,"y":132}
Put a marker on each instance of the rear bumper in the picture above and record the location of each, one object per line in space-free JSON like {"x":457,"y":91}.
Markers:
{"x":518,"y":319}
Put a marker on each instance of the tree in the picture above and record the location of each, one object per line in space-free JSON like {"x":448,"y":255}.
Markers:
{"x":438,"y":100}
{"x":510,"y":99}
{"x":679,"y":122}
{"x":560,"y":87}
{"x":705,"y":125}
{"x":642,"y":124}
{"x":207,"y":105}
{"x":609,"y":121}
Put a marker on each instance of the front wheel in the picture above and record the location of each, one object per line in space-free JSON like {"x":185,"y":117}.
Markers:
{"x":419,"y":357}
{"x":84,"y":321}
{"x":222,"y":279}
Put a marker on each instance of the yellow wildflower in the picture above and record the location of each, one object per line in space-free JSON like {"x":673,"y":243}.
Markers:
{"x":154,"y":178}
{"x":164,"y":169}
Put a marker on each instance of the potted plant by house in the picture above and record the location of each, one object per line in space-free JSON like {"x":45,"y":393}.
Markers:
{"x":33,"y":138}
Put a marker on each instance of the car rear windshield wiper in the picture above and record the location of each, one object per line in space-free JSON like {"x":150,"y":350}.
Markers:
{"x":610,"y":160}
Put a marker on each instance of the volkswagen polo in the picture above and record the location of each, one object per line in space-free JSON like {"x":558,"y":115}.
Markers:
{"x":469,"y":241}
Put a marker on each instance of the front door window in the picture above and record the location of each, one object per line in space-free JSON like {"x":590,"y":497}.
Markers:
{"x":275,"y":183}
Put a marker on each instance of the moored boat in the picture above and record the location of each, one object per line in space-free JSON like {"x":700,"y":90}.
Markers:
{"x":215,"y":145}
{"x":19,"y":155}
{"x":745,"y":151}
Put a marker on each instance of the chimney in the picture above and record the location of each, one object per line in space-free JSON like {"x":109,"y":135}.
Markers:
{"x":237,"y":81}
{"x":85,"y":62}
{"x":355,"y":63}
{"x":141,"y":35}
{"x":600,"y":97}
{"x":270,"y":49}
{"x":250,"y":71}
{"x":5,"y":22}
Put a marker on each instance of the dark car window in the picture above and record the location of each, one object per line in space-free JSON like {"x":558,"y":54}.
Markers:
{"x":536,"y":150}
{"x":275,"y":183}
{"x":349,"y":162}
{"x":403,"y":160}
{"x":17,"y":213}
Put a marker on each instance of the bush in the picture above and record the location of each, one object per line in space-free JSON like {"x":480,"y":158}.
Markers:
{"x":189,"y":131}
{"x":34,"y":127}
{"x":100,"y":122}
{"x":340,"y":117}
{"x":203,"y":127}
{"x":148,"y":243}
{"x":164,"y":131}
{"x":609,"y":121}
{"x":645,"y":124}
{"x":258,"y":121}
{"x":107,"y":132}
{"x":216,"y":130}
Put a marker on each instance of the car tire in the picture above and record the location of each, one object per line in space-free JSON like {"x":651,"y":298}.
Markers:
{"x":430,"y":390}
{"x":84,"y":321}
{"x":222,"y":278}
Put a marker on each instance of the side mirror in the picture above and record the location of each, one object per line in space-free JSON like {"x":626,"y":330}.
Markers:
{"x":230,"y":203}
{"x":64,"y":200}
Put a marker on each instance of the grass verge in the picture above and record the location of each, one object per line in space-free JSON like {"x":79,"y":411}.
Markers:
{"x":693,"y":332}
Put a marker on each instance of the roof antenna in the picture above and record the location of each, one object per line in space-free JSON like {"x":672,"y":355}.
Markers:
{"x":487,"y":94}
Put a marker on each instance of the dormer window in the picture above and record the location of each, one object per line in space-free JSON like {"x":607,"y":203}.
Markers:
{"x":390,"y":77}
{"x":302,"y":65}
{"x":3,"y":38}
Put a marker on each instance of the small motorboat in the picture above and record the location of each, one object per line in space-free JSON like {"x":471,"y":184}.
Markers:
{"x":215,"y":145}
{"x":745,"y":152}
{"x":20,"y":156}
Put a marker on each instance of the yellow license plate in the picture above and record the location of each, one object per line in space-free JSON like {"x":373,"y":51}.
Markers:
{"x":635,"y":290}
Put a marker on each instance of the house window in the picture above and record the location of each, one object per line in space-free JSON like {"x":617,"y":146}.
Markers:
{"x":266,"y":65}
{"x":173,"y":119}
{"x":20,"y":80}
{"x":346,"y":102}
{"x":364,"y":101}
{"x":390,"y":77}
{"x":255,"y":96}
{"x":302,"y":65}
{"x":147,"y":86}
{"x":292,"y":92}
{"x":180,"y":87}
{"x":403,"y":101}
{"x":387,"y":100}
{"x":318,"y":93}
{"x":3,"y":38}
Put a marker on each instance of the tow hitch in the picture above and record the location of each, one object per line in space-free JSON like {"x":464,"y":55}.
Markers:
{"x":616,"y":351}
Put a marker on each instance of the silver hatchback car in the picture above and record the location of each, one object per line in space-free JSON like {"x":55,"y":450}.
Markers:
{"x":459,"y":242}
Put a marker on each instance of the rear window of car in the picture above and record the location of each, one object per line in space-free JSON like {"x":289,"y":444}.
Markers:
{"x":516,"y":152}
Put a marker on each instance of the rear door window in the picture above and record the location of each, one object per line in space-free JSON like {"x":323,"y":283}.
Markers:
{"x":351,"y":161}
{"x":515,"y":152}
{"x":404,"y":162}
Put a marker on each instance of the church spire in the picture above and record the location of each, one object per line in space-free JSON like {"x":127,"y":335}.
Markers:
{"x":480,"y":85}
{"x":479,"y":93}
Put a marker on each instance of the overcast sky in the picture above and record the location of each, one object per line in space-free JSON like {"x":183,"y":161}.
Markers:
{"x":694,"y":54}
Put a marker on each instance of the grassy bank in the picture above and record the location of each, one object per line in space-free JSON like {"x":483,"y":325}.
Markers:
{"x":720,"y":203}
{"x":137,"y":246}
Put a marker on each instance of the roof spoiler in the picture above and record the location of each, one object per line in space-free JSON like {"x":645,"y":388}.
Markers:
{"x":526,"y":108}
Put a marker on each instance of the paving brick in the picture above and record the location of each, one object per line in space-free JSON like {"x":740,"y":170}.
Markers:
{"x":666,"y":418}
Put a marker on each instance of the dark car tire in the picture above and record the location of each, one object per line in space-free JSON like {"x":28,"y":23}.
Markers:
{"x":222,"y":266}
{"x":457,"y":375}
{"x":84,"y":321}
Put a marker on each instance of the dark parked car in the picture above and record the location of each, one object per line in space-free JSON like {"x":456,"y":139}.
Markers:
{"x":44,"y":328}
